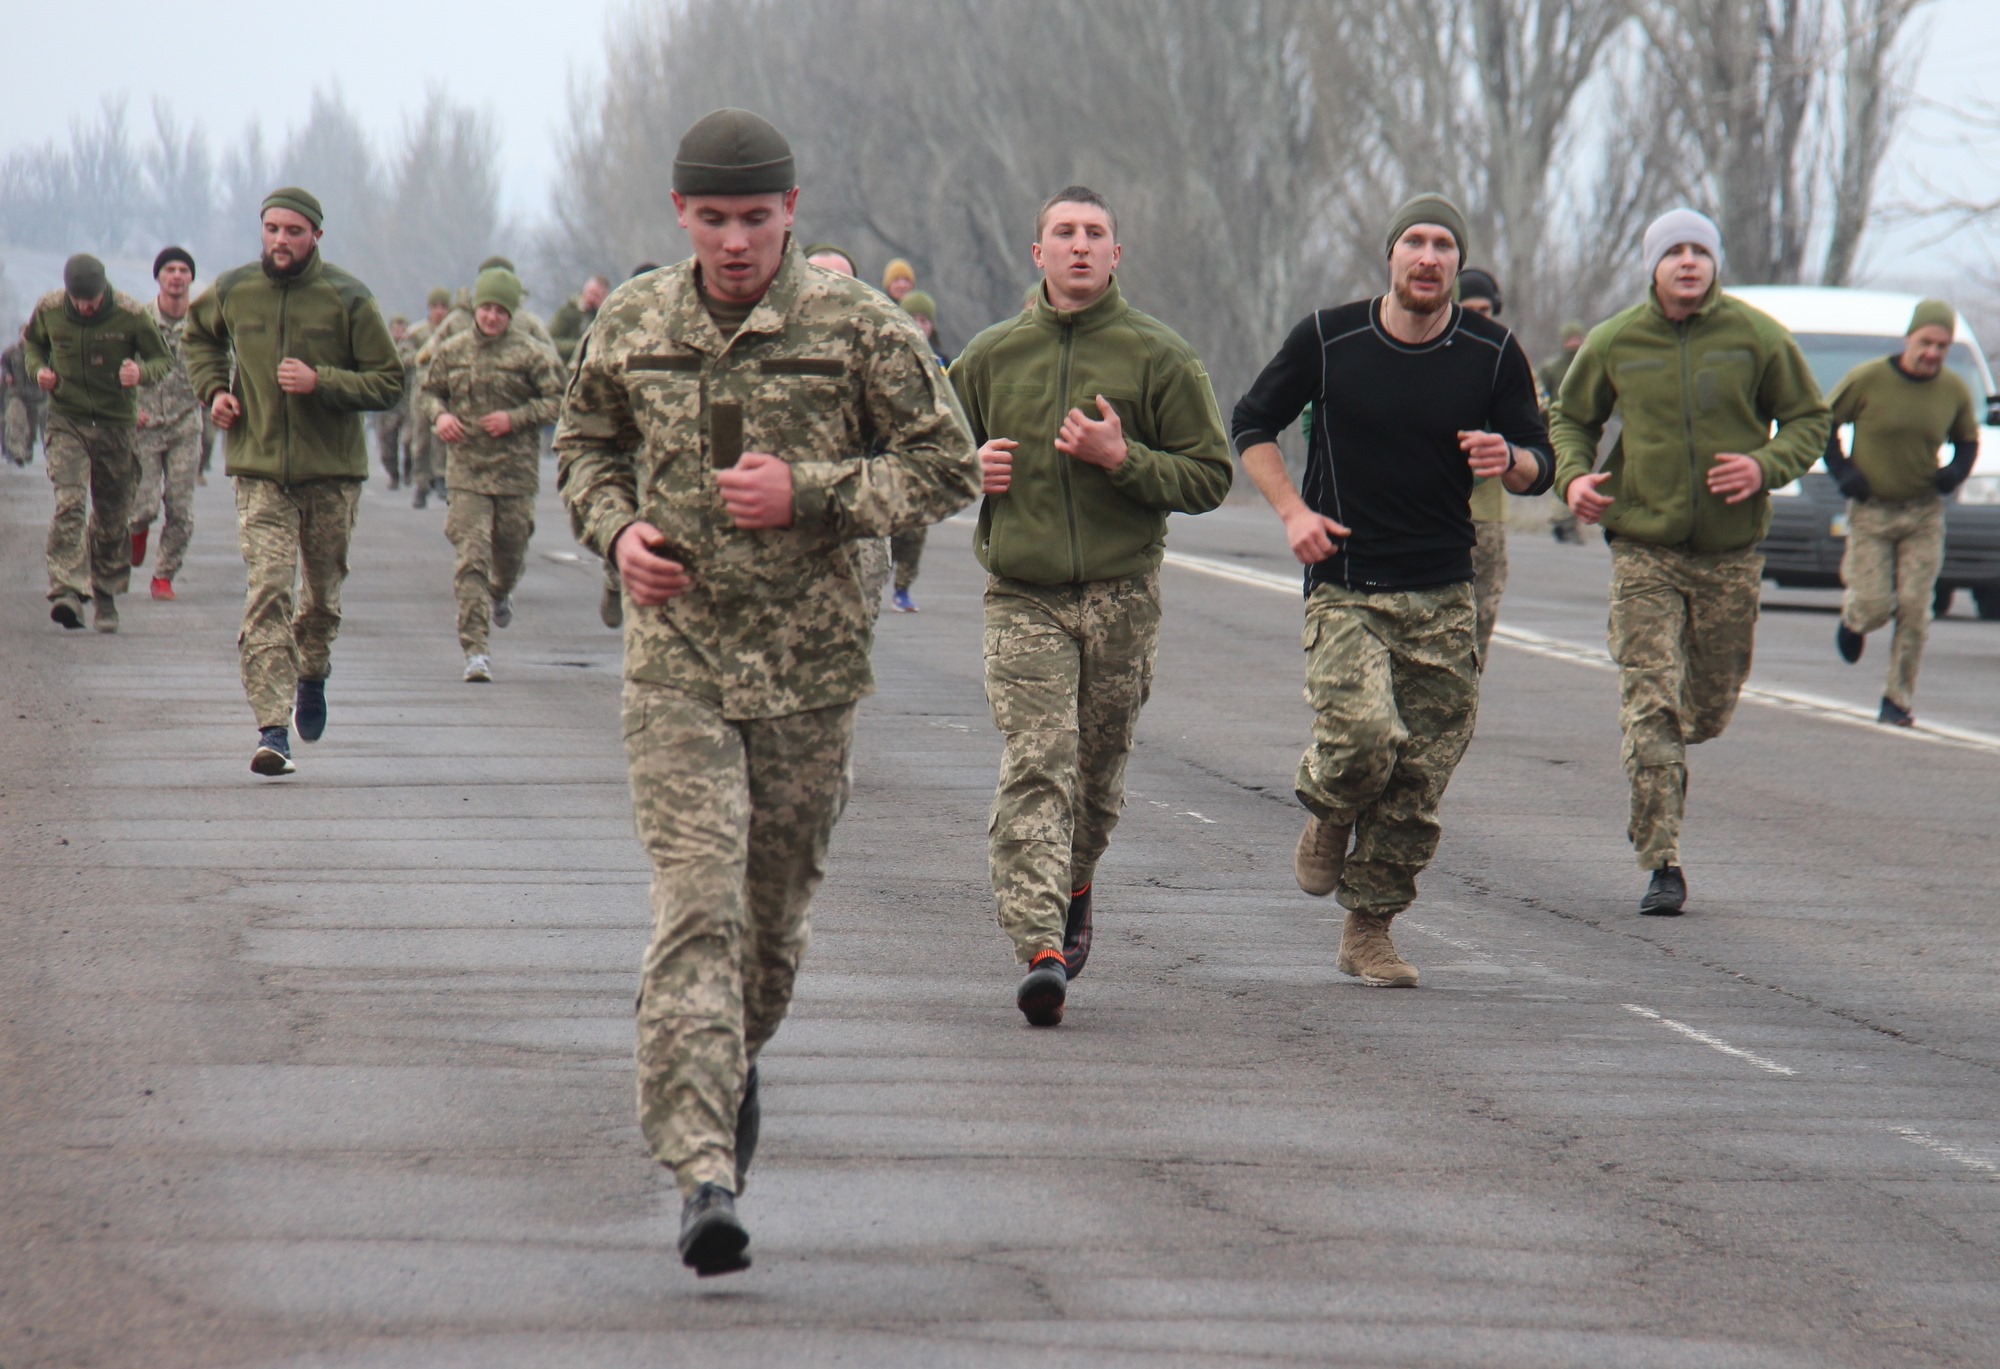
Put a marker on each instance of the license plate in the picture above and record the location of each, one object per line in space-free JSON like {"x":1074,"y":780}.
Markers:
{"x":1838,"y":527}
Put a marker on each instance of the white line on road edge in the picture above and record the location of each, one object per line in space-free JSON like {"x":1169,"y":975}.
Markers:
{"x":1712,"y":1042}
{"x":1950,"y":1152}
{"x":1555,"y":648}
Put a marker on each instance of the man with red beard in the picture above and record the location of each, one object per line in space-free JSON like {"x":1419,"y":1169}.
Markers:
{"x":1412,"y":398}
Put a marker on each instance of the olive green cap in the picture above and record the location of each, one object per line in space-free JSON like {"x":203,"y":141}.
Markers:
{"x":1932,"y":313}
{"x":298,"y":201}
{"x":438,"y":295}
{"x":83,"y":276}
{"x":1431,"y":208}
{"x":501,"y":262}
{"x":733,"y":152}
{"x":497,"y":285}
{"x":399,"y":319}
{"x":918,"y":302}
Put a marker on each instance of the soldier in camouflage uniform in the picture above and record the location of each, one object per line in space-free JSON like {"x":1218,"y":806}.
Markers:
{"x":1562,"y":523}
{"x":1095,"y":422}
{"x":732,"y":424}
{"x":20,"y":402}
{"x":1700,"y":378}
{"x":90,"y":348}
{"x":423,"y":473}
{"x":169,"y":438}
{"x":494,"y":388}
{"x":1413,"y":400}
{"x":288,"y":352}
{"x":392,"y":426}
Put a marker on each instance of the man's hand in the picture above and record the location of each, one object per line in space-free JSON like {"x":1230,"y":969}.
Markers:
{"x":757,"y":491}
{"x":46,"y":378}
{"x":1094,"y":441}
{"x":1583,"y":499}
{"x":497,"y":424}
{"x":1489,"y":454}
{"x":1734,"y":476}
{"x":225,"y":409}
{"x":128,"y":373}
{"x":449,"y":428}
{"x":996,"y":465}
{"x":297,"y":378}
{"x":1854,"y":484}
{"x":145,"y":420}
{"x":1312,"y":535}
{"x":650,"y":577}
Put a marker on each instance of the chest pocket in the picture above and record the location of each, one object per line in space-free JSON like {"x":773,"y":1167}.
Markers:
{"x":800,"y":408}
{"x":1133,"y":416}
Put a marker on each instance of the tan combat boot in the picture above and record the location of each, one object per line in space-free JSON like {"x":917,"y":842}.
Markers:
{"x":1367,"y":953}
{"x":1321,"y":855}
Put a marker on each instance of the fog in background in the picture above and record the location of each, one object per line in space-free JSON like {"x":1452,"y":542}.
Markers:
{"x":1253,"y":148}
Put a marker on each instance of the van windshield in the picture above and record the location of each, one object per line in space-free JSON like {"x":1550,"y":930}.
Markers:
{"x":1833,"y":355}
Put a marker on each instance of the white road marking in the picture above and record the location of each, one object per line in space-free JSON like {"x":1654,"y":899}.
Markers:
{"x":1950,"y":1152}
{"x":1597,"y":658}
{"x":1712,"y":1042}
{"x":1198,"y":818}
{"x":1468,"y":947}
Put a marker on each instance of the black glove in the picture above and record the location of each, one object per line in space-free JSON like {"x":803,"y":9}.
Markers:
{"x":1852,"y":483}
{"x":1949,"y":479}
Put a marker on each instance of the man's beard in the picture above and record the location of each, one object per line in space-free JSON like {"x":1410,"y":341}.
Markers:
{"x":277,"y":272}
{"x":1417,"y":304}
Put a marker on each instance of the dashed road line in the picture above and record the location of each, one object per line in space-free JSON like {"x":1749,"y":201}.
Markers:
{"x":1596,"y":658}
{"x":1712,"y":1042}
{"x":1948,"y":1151}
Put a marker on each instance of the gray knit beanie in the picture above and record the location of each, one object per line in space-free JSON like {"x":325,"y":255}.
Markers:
{"x":1675,"y":227}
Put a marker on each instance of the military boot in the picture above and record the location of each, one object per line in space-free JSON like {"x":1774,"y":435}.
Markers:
{"x":1076,"y":932}
{"x":1666,"y":893}
{"x":1043,"y":990}
{"x":68,"y":611}
{"x":104,"y":612}
{"x":713,"y":1238}
{"x":1367,"y":953}
{"x":1321,"y":856}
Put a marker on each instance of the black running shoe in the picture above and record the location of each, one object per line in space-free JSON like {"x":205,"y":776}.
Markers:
{"x":273,"y":755}
{"x":1666,"y":894}
{"x":309,"y":709}
{"x":1043,"y":989}
{"x":68,"y":612}
{"x":1896,"y":715}
{"x":1076,"y":932}
{"x":1848,"y":643}
{"x":713,"y":1239}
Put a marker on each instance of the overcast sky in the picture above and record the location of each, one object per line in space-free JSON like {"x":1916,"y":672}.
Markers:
{"x":223,"y":64}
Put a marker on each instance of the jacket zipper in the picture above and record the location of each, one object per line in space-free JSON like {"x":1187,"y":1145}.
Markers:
{"x":1062,"y":462}
{"x":284,"y":400}
{"x":1681,"y":329}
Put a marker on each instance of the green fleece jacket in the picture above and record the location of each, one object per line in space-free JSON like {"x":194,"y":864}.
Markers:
{"x":85,"y":354}
{"x":1687,"y":392}
{"x":246,"y":323}
{"x":1064,"y":521}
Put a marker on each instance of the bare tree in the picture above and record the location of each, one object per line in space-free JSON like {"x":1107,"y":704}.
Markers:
{"x":443,"y":201}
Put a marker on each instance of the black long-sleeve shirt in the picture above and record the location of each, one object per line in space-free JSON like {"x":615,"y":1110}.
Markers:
{"x":1384,"y":459}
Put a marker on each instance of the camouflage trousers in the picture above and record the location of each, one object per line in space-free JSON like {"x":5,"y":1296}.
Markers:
{"x":1890,"y":568}
{"x":1393,"y":680}
{"x":1682,"y":627}
{"x":1068,"y":667}
{"x":871,"y":568}
{"x":490,"y":533}
{"x":906,"y":551}
{"x":1489,"y":582}
{"x":426,"y":454}
{"x":390,"y":431}
{"x":169,"y":461}
{"x":17,"y":431}
{"x":736,"y":817}
{"x":294,"y":543}
{"x":91,"y":467}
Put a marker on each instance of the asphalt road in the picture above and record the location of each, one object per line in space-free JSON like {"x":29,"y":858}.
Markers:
{"x":335,"y":1070}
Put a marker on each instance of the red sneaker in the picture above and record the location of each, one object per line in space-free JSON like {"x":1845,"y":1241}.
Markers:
{"x":162,"y":588}
{"x":139,"y":545}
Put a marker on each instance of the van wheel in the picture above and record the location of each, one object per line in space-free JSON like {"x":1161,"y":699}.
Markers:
{"x":1988,"y":599}
{"x":1941,"y":599}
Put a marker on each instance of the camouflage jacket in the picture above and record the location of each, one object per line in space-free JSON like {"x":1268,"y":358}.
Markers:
{"x":826,"y":374}
{"x":473,"y":375}
{"x":569,"y":325}
{"x":169,"y":401}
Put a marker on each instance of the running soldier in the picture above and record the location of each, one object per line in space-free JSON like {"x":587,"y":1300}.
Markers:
{"x":423,"y":474}
{"x":287,"y":352}
{"x":578,"y":312}
{"x":1413,"y":400}
{"x":1479,"y":293}
{"x":1700,"y":378}
{"x":732,"y":424}
{"x":90,"y":348}
{"x":906,"y":549}
{"x":494,"y":389}
{"x":20,"y":402}
{"x":1095,"y":422}
{"x":392,"y":426}
{"x":1903,"y":408}
{"x":169,"y":436}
